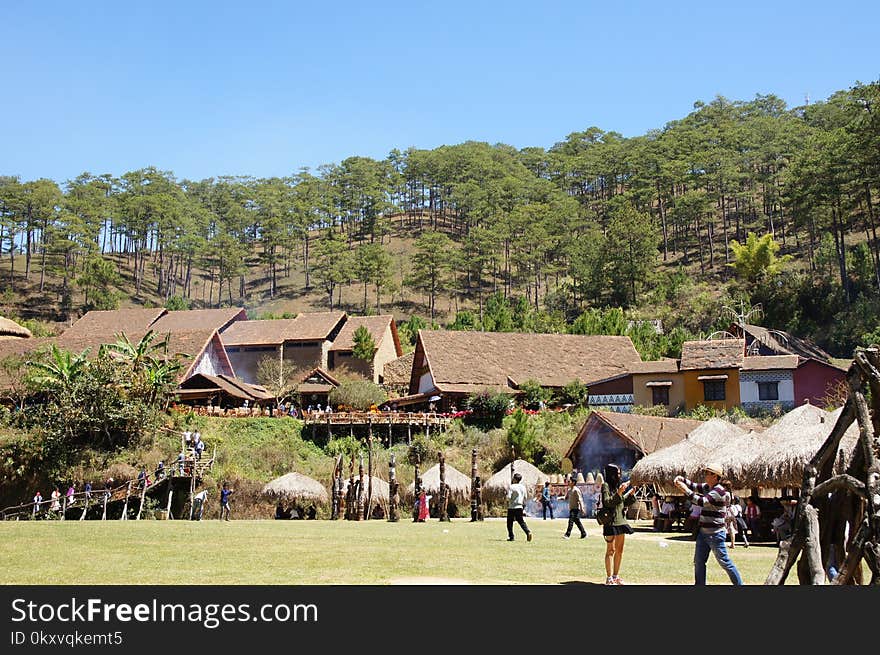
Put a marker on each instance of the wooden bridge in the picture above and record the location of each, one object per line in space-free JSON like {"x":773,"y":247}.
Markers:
{"x":173,"y":494}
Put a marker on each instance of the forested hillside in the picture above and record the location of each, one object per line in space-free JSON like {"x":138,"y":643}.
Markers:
{"x":481,"y":236}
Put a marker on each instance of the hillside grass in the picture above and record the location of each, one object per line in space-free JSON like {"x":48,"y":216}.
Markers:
{"x":347,"y":553}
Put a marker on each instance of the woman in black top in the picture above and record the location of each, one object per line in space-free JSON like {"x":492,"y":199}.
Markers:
{"x":615,"y":496}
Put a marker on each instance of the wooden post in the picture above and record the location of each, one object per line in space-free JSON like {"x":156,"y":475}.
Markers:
{"x":336,"y":486}
{"x":359,"y":513}
{"x":168,"y":506}
{"x":474,"y":482}
{"x":417,"y":487}
{"x":512,"y":460}
{"x":85,"y":507}
{"x":104,"y":515}
{"x":370,"y":473}
{"x":444,"y":490}
{"x":393,"y":496}
{"x":390,"y":437}
{"x":329,"y":433}
{"x":63,"y":507}
{"x":125,"y":508}
{"x":409,"y":428}
{"x":141,"y":506}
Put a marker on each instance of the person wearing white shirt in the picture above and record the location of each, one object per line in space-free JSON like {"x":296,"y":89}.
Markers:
{"x":516,"y":498}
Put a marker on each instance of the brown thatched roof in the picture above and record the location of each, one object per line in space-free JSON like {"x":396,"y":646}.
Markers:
{"x":791,"y":443}
{"x":381,"y":489}
{"x":688,"y":456}
{"x":531,"y":476}
{"x":104,"y":324}
{"x":191,"y":320}
{"x":661,"y":366}
{"x":489,"y":359}
{"x":13,"y":330}
{"x":399,"y":371}
{"x":770,"y":363}
{"x":314,"y":326}
{"x":230,"y":386}
{"x":296,"y":485}
{"x":376,"y":326}
{"x":646,"y":433}
{"x":458,"y":482}
{"x":782,"y":343}
{"x":715,"y":353}
{"x":260,"y":333}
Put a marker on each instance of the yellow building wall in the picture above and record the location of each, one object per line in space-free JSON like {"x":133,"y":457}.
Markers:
{"x":693,"y":389}
{"x":643,"y":396}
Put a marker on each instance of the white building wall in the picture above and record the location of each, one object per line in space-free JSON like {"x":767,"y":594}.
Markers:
{"x":426,"y":383}
{"x":748,"y":388}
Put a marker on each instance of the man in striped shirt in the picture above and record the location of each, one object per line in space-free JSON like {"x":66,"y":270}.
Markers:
{"x":713,"y":498}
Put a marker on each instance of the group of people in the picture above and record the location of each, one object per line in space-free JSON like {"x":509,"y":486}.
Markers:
{"x":295,"y":512}
{"x":712,"y":497}
{"x":193,"y":441}
{"x":58,"y":502}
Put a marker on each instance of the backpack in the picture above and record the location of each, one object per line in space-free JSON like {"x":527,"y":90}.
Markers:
{"x":604,"y":515}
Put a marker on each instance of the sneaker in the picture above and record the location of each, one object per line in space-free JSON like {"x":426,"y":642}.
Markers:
{"x":584,"y":535}
{"x":566,"y":536}
{"x":616,"y":580}
{"x":609,"y":582}
{"x":529,"y":536}
{"x":510,"y":538}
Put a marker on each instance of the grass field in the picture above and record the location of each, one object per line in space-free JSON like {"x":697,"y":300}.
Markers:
{"x":341,"y":552}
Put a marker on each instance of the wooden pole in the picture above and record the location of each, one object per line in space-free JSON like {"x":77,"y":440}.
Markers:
{"x":473,"y":485}
{"x":85,"y":507}
{"x":63,"y":507}
{"x":125,"y":508}
{"x":359,"y":514}
{"x":168,"y":506}
{"x":336,"y":486}
{"x":370,"y":472}
{"x":390,"y":437}
{"x":141,"y":506}
{"x":417,"y":487}
{"x":104,"y":515}
{"x":409,"y":428}
{"x":444,"y":490}
{"x":393,"y":497}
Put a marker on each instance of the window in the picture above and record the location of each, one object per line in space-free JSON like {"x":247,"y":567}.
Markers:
{"x":660,"y":395}
{"x":768,"y":391}
{"x":713,"y":390}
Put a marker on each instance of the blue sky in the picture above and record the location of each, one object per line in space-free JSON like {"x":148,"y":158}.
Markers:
{"x":264,"y":88}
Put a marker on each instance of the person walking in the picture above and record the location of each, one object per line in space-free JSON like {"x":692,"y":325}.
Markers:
{"x":576,"y":508}
{"x":734,"y":522}
{"x":38,"y":500}
{"x":714,"y":498}
{"x":516,"y":498}
{"x":546,"y":501}
{"x":753,"y":518}
{"x":56,"y":504}
{"x":225,"y":493}
{"x":616,"y":496}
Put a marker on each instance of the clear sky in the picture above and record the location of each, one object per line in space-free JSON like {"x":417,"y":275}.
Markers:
{"x":265,"y":88}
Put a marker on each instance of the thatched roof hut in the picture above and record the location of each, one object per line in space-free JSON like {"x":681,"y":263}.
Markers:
{"x":296,"y":485}
{"x":381,"y":489}
{"x":791,"y":443}
{"x":531,"y":476}
{"x":12,"y":330}
{"x":458,"y":482}
{"x":688,"y":456}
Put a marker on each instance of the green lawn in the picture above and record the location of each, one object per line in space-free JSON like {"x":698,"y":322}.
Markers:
{"x":340,"y":552}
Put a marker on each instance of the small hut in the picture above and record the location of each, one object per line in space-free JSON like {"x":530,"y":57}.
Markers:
{"x":296,"y":486}
{"x":532,"y":477}
{"x":458,"y":482}
{"x":686,"y":457}
{"x":791,"y":443}
{"x":12,"y":330}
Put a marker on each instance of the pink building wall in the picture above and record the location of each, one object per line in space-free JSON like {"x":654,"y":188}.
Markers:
{"x":813,"y":380}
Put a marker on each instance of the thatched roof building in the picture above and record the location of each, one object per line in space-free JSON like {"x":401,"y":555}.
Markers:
{"x":531,"y":476}
{"x":296,"y":486}
{"x":791,"y":443}
{"x":12,"y":330}
{"x":381,"y":489}
{"x":457,"y":363}
{"x":687,"y":456}
{"x":458,"y":482}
